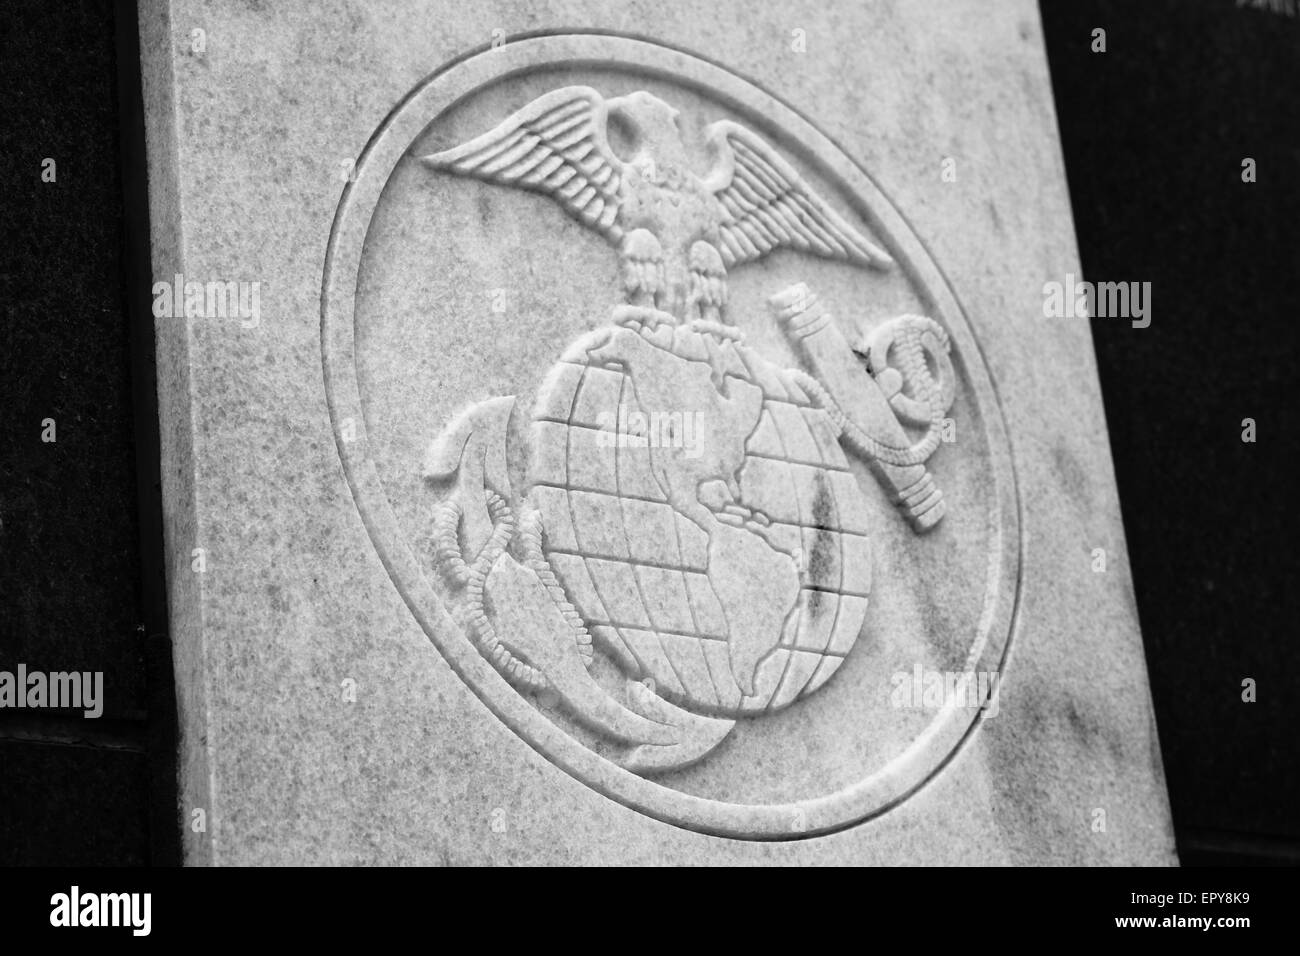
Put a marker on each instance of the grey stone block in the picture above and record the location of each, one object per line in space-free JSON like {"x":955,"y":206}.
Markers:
{"x":635,"y":450}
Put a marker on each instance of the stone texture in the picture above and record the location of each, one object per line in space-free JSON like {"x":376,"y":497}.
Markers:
{"x":297,"y":453}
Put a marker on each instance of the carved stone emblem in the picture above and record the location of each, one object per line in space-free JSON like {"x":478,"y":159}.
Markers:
{"x":676,"y":533}
{"x":733,"y":573}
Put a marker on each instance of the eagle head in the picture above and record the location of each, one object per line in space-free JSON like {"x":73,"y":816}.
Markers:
{"x":652,"y":124}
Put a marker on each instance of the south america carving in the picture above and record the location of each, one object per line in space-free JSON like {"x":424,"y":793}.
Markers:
{"x":692,"y":547}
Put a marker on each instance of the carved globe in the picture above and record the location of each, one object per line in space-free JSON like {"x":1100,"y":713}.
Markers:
{"x":700,"y":515}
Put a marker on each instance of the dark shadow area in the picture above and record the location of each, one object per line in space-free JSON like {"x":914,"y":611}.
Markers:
{"x":81,"y":584}
{"x":1155,"y":131}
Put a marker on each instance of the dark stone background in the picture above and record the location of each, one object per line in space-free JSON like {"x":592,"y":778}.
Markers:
{"x":80,"y":538}
{"x":1154,"y":132}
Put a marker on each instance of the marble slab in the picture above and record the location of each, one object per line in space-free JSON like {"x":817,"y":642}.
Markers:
{"x":632,"y":434}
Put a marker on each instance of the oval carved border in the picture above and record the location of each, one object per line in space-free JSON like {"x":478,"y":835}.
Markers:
{"x":951,"y":726}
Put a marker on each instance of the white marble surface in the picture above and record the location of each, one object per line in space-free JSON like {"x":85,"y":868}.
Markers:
{"x":313,"y":585}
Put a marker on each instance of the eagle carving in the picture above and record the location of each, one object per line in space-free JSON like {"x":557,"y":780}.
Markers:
{"x":677,"y":232}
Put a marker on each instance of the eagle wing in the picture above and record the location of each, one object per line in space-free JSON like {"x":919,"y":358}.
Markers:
{"x":766,"y":204}
{"x":556,"y":145}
